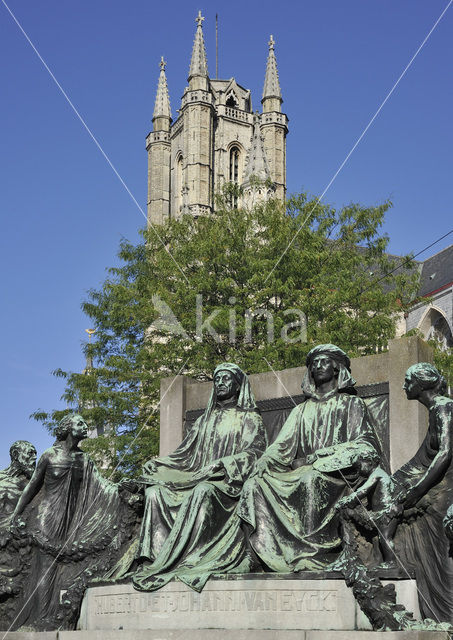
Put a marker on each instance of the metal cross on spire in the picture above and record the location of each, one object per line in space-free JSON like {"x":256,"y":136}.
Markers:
{"x":199,"y":19}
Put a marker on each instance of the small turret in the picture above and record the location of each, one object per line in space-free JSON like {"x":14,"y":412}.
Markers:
{"x":257,"y":185}
{"x":162,"y":110}
{"x":198,"y":72}
{"x":159,"y":151}
{"x":274,"y":124}
{"x":272,"y":95}
{"x":256,"y":162}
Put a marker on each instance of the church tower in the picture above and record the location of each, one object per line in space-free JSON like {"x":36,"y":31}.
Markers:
{"x":216,"y":138}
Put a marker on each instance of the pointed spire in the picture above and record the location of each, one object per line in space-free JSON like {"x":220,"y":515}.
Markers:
{"x":162,"y":104}
{"x":271,"y":82}
{"x":256,"y":162}
{"x":198,"y":63}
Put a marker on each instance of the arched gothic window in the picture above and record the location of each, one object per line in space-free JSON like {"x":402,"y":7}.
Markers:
{"x":231,"y":101}
{"x":234,"y":170}
{"x":179,"y":185}
{"x":434,"y":326}
{"x":234,"y":164}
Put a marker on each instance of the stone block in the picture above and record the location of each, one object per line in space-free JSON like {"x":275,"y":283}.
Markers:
{"x":408,"y":418}
{"x":28,"y":635}
{"x":184,"y":634}
{"x":218,"y":634}
{"x":172,"y":390}
{"x":223,"y":604}
{"x":376,"y":635}
{"x":227,"y":604}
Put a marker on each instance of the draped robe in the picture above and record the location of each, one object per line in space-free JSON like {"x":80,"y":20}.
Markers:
{"x":291,"y":510}
{"x":71,"y":521}
{"x":422,"y":544}
{"x":190,"y":528}
{"x":11,"y":487}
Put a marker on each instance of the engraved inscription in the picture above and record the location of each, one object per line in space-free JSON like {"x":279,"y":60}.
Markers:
{"x":309,"y":601}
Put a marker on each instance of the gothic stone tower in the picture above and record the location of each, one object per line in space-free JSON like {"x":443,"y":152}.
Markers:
{"x":216,"y":138}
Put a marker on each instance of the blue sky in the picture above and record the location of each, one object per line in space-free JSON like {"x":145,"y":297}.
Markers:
{"x":63,"y":208}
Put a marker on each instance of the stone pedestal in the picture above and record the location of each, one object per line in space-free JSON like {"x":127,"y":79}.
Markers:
{"x":254,"y":603}
{"x":247,"y":634}
{"x":243,"y":634}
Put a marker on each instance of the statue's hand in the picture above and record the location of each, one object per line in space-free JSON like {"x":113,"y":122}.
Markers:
{"x":261,"y":467}
{"x":406,"y":494}
{"x":126,"y":484}
{"x":410,"y":500}
{"x":400,"y":495}
{"x":150,"y":467}
{"x":17,"y":527}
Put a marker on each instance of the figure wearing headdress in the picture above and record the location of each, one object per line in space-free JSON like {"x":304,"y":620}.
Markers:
{"x":289,"y":502}
{"x":190,"y":528}
{"x":427,"y":493}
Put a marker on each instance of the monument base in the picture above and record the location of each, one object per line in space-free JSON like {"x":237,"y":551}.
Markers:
{"x":253,"y":602}
{"x":244,"y":634}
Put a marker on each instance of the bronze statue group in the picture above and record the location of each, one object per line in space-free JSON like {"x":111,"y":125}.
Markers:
{"x":226,"y":501}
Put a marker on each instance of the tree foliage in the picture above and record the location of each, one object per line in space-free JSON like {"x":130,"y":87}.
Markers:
{"x":246,"y":266}
{"x":443,"y":359}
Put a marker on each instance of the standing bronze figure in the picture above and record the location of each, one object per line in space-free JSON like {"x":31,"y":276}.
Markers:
{"x":427,"y":481}
{"x":71,"y":515}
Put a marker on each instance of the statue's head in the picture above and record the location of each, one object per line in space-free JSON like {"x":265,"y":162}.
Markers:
{"x":23,"y":456}
{"x":423,"y":376}
{"x":231,"y":382}
{"x":326,"y":363}
{"x":228,"y":379}
{"x":323,"y":368}
{"x":72,"y":424}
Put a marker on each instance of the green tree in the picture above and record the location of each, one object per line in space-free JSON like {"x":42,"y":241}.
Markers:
{"x":255,"y":269}
{"x":443,"y":359}
{"x":442,"y":355}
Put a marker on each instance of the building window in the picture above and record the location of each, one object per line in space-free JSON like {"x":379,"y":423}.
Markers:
{"x":440,"y":331}
{"x":234,"y":172}
{"x":179,"y":185}
{"x":231,"y":101}
{"x":234,"y":165}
